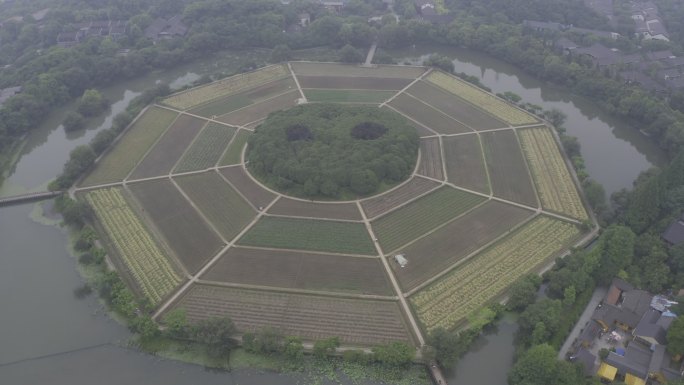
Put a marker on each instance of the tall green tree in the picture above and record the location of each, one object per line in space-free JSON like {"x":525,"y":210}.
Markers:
{"x":216,"y":333}
{"x":675,"y":337}
{"x":617,"y":249}
{"x":539,"y":365}
{"x":92,"y":103}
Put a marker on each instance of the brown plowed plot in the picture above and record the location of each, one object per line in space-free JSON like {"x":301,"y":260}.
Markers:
{"x":337,"y":69}
{"x":430,"y":159}
{"x":430,"y":255}
{"x":297,"y":208}
{"x":312,"y":317}
{"x":507,"y":169}
{"x":168,"y":150}
{"x":253,"y":192}
{"x":261,"y":110}
{"x":353,"y":83}
{"x":190,"y":238}
{"x":233,"y":102}
{"x":388,"y":201}
{"x":220,"y":203}
{"x":464,"y":162}
{"x":454,"y":106}
{"x":422,"y":216}
{"x":426,"y":115}
{"x":297,"y":270}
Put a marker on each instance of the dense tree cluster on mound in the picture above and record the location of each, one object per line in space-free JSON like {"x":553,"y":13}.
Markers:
{"x":332,"y":151}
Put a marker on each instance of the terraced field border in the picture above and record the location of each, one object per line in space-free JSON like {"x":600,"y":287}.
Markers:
{"x":405,"y":309}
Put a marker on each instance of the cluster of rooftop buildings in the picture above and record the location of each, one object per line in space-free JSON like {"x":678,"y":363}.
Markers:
{"x":159,"y":29}
{"x":633,"y":325}
{"x":649,"y":25}
{"x":166,"y":29}
{"x":427,"y":10}
{"x":541,"y":26}
{"x":647,"y":20}
{"x":657,"y":71}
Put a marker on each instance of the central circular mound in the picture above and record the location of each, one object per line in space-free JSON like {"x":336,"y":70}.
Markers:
{"x":332,"y":151}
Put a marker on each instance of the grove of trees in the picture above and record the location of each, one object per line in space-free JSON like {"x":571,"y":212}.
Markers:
{"x":331,"y":151}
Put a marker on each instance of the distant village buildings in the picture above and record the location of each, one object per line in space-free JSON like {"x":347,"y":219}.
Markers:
{"x":427,"y":10}
{"x":112,"y":28}
{"x":659,"y":71}
{"x":7,"y":93}
{"x":649,"y":25}
{"x":161,"y":29}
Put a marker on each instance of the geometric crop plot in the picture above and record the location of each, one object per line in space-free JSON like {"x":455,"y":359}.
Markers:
{"x":471,"y":191}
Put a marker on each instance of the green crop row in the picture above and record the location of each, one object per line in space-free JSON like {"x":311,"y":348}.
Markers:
{"x":309,"y":234}
{"x":207,"y":148}
{"x":421,"y":216}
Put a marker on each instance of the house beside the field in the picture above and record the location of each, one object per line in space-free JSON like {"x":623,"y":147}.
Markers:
{"x":674,"y":234}
{"x":401,"y":260}
{"x":633,"y":324}
{"x":623,"y":306}
{"x":166,"y":29}
{"x":334,"y":5}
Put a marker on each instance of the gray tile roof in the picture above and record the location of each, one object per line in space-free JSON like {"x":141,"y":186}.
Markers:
{"x":7,"y":93}
{"x":636,"y":360}
{"x":565,"y":43}
{"x":590,"y":333}
{"x":629,"y":310}
{"x":586,"y":359}
{"x":544,"y":25}
{"x":648,"y":327}
{"x":166,"y":28}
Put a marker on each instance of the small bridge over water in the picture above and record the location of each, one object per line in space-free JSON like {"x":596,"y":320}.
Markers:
{"x":29,"y":197}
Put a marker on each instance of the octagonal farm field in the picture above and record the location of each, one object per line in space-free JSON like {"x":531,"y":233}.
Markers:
{"x":491,"y":198}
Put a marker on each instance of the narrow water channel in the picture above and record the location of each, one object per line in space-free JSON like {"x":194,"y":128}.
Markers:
{"x":490,"y":358}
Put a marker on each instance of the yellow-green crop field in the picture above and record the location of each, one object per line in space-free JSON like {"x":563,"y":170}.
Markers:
{"x":144,"y":259}
{"x":478,"y":97}
{"x":472,"y":285}
{"x":555,"y":186}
